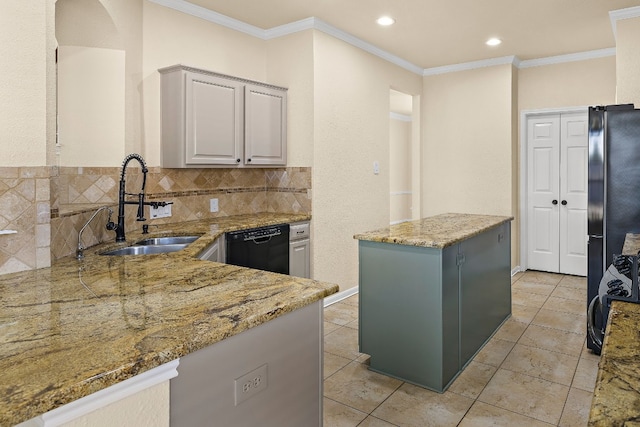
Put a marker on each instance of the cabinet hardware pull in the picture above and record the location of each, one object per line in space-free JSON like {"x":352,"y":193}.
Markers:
{"x":554,"y":202}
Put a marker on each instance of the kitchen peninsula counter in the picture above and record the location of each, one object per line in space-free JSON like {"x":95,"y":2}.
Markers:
{"x":432,"y":292}
{"x":616,"y":398}
{"x":81,"y":326}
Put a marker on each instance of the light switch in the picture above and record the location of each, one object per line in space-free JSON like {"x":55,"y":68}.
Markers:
{"x":376,"y":167}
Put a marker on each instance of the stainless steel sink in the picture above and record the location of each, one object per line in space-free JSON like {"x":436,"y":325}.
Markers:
{"x":171,"y":240}
{"x":146,"y":249}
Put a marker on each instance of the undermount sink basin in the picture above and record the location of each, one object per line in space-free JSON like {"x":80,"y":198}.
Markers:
{"x":171,"y":240}
{"x":147,"y":249}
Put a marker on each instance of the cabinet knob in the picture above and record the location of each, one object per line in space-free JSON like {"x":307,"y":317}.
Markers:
{"x":238,"y":160}
{"x":554,"y":202}
{"x":248,"y":160}
{"x":564,"y":203}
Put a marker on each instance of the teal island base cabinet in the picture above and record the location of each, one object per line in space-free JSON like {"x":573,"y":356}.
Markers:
{"x":427,"y":306}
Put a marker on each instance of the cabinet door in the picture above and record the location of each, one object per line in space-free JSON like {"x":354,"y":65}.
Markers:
{"x":299,"y":258}
{"x":265,"y":126}
{"x":213,"y":120}
{"x":485,"y":287}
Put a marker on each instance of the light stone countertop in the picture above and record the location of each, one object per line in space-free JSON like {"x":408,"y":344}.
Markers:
{"x":437,"y":231}
{"x":616,"y":399}
{"x":80,"y":326}
{"x":631,"y":244}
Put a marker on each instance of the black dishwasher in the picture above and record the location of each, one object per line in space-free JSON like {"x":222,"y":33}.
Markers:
{"x":263,"y":248}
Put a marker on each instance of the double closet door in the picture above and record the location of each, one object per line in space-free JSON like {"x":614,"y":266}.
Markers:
{"x":557,"y":165}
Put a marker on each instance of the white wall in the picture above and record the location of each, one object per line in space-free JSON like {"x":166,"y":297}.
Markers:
{"x":400,"y":169}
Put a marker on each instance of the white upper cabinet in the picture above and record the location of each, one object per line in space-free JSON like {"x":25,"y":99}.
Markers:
{"x":213,"y":120}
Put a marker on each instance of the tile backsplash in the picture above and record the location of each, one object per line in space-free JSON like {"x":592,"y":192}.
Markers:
{"x":47,"y":206}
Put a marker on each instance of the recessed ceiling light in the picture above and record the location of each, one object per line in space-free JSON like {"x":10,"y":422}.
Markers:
{"x":493,"y":41}
{"x":385,"y":21}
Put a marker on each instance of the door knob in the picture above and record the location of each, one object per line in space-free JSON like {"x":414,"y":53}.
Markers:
{"x":554,"y":202}
{"x":564,"y":203}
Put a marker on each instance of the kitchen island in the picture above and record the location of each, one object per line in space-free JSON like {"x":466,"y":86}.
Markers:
{"x":431,"y":293}
{"x":81,"y":326}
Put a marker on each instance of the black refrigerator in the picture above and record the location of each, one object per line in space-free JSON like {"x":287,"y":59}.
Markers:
{"x":613,"y":194}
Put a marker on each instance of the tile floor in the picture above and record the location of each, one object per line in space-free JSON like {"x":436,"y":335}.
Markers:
{"x":535,"y":371}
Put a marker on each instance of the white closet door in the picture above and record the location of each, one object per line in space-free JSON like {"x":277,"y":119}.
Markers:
{"x":574,"y":160}
{"x":557,"y":162}
{"x":543,"y":157}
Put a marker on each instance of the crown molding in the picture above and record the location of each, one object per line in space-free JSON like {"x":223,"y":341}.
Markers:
{"x":572,"y":57}
{"x":317,"y":24}
{"x":513,"y":60}
{"x":617,"y":15}
{"x":211,"y":16}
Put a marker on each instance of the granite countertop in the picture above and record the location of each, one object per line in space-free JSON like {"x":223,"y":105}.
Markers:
{"x":82,"y":325}
{"x":631,"y":244}
{"x":616,"y":399}
{"x":435,"y":232}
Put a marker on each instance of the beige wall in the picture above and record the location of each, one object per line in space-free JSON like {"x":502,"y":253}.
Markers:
{"x":290,"y":64}
{"x":351,"y":122}
{"x":24,"y":30}
{"x":628,"y":61}
{"x":571,"y":84}
{"x":171,"y":37}
{"x":467,"y":157}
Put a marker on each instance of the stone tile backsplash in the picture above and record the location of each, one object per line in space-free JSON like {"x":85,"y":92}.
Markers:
{"x":25,"y":209}
{"x":77,"y":192}
{"x":47,"y":206}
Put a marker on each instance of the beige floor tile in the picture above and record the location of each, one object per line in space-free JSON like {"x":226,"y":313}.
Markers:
{"x":552,"y":339}
{"x":336,"y":414}
{"x":576,"y":409}
{"x":523,"y":313}
{"x":517,"y":276}
{"x":374,"y":422}
{"x":352,"y":300}
{"x":511,"y":330}
{"x":571,"y":293}
{"x":330,"y":327}
{"x":355,"y":324}
{"x":494,"y":352}
{"x":578,"y":282}
{"x":415,"y":406}
{"x":536,"y":362}
{"x":358,"y":387}
{"x":333,"y":364}
{"x":542,"y":277}
{"x":342,"y":342}
{"x":473,"y":379}
{"x":526,"y":395}
{"x":570,"y":322}
{"x":533,"y":287}
{"x":527,"y":298}
{"x":340,"y":313}
{"x":586,"y":374}
{"x":483,"y":415}
{"x":565,"y":305}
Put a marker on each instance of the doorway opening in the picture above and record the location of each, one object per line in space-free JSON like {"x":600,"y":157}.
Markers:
{"x":404,"y":157}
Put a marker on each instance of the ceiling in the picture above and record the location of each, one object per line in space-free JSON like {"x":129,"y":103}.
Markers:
{"x":433,"y":33}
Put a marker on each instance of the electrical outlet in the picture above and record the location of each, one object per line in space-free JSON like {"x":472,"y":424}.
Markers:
{"x":250,"y":384}
{"x":160,"y":212}
{"x":214,"y":205}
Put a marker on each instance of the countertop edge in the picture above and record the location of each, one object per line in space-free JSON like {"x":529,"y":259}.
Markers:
{"x":385,"y":235}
